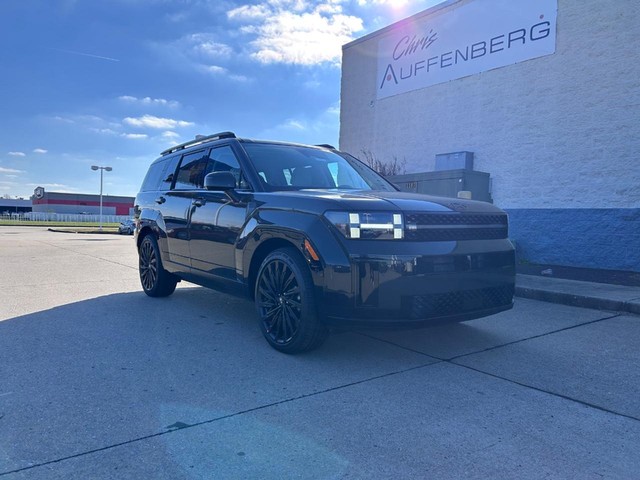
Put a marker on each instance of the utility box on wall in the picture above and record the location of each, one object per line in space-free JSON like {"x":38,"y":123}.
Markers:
{"x":454,"y":161}
{"x":446,"y":183}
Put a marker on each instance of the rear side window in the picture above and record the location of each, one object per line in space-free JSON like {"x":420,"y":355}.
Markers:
{"x":167,"y":174}
{"x":190,"y":175}
{"x":154,"y":175}
{"x":160,"y":175}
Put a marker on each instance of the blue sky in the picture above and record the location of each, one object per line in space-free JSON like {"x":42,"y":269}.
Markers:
{"x":114,"y":82}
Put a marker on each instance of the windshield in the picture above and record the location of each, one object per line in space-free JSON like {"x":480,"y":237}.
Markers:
{"x":291,"y":167}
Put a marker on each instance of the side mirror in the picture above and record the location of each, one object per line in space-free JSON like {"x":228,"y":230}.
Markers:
{"x":222,"y":181}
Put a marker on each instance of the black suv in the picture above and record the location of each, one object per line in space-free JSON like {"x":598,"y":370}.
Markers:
{"x":318,"y":239}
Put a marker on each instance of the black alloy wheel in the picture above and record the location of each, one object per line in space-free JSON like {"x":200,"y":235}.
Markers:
{"x":285,"y":303}
{"x":155,"y":280}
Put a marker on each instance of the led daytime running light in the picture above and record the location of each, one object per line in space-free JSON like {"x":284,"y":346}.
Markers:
{"x":353,"y":225}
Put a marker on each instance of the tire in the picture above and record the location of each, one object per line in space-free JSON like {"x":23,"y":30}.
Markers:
{"x":155,"y":280}
{"x":286,"y":304}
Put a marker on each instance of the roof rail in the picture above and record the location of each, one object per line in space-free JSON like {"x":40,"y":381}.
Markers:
{"x":198,"y":140}
{"x":326,"y":145}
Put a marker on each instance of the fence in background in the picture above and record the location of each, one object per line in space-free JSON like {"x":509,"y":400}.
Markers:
{"x":63,"y":217}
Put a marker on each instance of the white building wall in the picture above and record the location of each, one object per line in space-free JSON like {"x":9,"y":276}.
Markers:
{"x":560,"y":131}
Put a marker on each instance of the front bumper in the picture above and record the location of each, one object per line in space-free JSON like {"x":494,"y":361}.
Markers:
{"x":385,"y":290}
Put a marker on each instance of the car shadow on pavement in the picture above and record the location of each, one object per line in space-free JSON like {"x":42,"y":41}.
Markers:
{"x":119,"y":368}
{"x":106,"y":370}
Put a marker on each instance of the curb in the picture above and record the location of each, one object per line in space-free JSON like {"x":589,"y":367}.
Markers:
{"x":630,"y":304}
{"x":579,"y":301}
{"x":70,"y":230}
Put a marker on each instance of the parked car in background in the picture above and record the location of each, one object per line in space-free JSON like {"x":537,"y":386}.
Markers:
{"x":128,"y":227}
{"x":317,"y":239}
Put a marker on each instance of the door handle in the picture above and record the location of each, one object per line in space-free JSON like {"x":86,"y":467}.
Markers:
{"x":198,"y":202}
{"x":161,"y":200}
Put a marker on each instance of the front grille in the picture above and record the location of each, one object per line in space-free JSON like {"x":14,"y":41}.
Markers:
{"x":442,"y":227}
{"x":451,"y":303}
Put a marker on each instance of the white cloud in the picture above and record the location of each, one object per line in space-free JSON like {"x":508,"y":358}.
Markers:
{"x":151,"y":121}
{"x":177,"y":17}
{"x":17,"y":154}
{"x":90,"y":122}
{"x":393,"y":3}
{"x":296,"y":31}
{"x":221,"y":71}
{"x":294,"y":124}
{"x":214,"y":69}
{"x":63,"y":119}
{"x":104,"y":131}
{"x":170,"y":135}
{"x":203,"y":53}
{"x":170,"y":138}
{"x":10,"y":170}
{"x":147,"y":101}
{"x":203,"y":44}
{"x":320,"y":128}
{"x":250,"y":12}
{"x":40,"y":150}
{"x":135,"y":136}
{"x":201,"y":48}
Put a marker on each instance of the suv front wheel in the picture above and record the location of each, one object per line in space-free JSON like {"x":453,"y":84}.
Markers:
{"x":155,"y":280}
{"x":286,"y":304}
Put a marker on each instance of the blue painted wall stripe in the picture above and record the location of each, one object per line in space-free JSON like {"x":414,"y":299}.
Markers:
{"x":605,"y":238}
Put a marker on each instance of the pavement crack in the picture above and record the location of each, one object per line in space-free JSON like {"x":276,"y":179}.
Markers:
{"x":408,"y":349}
{"x":213,"y":420}
{"x":548,"y":392}
{"x":451,"y":361}
{"x":134,"y":267}
{"x":552,"y":332}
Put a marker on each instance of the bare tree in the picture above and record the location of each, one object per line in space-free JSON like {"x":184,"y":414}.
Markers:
{"x":386,"y":169}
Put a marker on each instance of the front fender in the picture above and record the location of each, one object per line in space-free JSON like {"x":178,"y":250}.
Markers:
{"x":293,"y":227}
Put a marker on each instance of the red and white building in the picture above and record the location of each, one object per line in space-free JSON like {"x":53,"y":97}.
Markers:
{"x":74,"y":203}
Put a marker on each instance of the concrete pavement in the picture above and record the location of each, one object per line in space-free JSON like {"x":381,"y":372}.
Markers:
{"x":99,"y":381}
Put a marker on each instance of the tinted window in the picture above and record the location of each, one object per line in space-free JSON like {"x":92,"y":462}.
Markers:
{"x":153,"y":177}
{"x":291,"y":167}
{"x":191,"y":172}
{"x":160,"y":175}
{"x":168,"y":172}
{"x":222,"y":159}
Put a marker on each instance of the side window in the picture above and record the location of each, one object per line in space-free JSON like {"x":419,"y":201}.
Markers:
{"x":222,"y":159}
{"x":191,"y":172}
{"x":168,"y":172}
{"x":334,"y":170}
{"x":154,"y":175}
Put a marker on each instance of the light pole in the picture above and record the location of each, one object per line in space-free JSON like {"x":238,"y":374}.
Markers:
{"x":102,"y":169}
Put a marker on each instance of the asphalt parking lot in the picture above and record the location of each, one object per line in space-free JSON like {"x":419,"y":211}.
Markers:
{"x":99,"y":381}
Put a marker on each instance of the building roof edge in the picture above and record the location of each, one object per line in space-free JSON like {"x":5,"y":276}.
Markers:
{"x":388,"y":28}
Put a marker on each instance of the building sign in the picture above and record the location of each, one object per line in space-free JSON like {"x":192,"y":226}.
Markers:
{"x":478,"y":36}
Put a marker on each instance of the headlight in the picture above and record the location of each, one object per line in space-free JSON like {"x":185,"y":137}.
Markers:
{"x":368,"y":225}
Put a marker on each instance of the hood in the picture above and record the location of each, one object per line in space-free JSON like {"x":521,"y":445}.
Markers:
{"x":373,"y":200}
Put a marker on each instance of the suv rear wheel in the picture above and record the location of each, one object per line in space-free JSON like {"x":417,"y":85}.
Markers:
{"x":155,"y":280}
{"x":286,"y":304}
